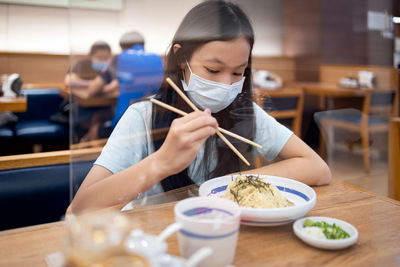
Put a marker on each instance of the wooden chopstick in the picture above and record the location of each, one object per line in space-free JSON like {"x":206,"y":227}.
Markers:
{"x":178,"y":90}
{"x":180,"y":112}
{"x":187,"y":100}
{"x":166,"y":106}
{"x":241,"y":138}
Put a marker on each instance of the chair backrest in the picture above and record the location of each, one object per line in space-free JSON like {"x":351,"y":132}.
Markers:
{"x":382,"y":102}
{"x":283,"y":104}
{"x":378,"y":103}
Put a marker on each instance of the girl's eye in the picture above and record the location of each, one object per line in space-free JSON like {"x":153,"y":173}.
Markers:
{"x":211,"y":70}
{"x":238,"y":74}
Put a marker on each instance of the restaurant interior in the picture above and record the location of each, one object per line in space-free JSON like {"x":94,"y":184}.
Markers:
{"x":327,"y":70}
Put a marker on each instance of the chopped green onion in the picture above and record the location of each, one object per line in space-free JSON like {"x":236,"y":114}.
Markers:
{"x":330,"y":231}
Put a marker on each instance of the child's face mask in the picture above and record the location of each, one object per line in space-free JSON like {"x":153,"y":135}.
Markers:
{"x":209,"y":94}
{"x":99,"y":65}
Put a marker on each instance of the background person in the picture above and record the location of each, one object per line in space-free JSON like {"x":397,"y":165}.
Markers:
{"x":86,"y":119}
{"x":132,"y":75}
{"x":87,"y":69}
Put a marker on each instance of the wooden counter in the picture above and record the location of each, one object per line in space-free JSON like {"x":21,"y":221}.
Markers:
{"x":81,"y":96}
{"x":376,"y":218}
{"x":14,"y":104}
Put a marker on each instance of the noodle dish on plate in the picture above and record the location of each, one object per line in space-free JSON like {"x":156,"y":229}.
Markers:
{"x":264,"y":200}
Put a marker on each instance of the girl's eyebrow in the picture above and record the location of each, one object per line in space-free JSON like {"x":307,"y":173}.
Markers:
{"x":216,"y":60}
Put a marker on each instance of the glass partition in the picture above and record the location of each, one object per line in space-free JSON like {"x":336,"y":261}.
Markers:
{"x":134,"y":106}
{"x":325,"y":71}
{"x":121,"y":57}
{"x":117,"y":58}
{"x":98,"y":98}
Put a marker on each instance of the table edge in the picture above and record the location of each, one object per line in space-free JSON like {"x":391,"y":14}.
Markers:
{"x":387,"y":199}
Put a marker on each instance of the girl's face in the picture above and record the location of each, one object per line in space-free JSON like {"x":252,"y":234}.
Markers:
{"x":220,"y":61}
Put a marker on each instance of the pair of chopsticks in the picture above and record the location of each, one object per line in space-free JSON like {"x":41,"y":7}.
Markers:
{"x":219,"y":129}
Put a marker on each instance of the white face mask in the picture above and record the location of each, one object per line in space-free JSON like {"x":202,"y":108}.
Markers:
{"x":209,"y":94}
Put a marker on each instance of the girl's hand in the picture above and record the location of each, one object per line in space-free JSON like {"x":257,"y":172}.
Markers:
{"x":185,"y":138}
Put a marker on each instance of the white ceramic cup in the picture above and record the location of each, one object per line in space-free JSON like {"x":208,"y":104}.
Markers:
{"x":208,"y":222}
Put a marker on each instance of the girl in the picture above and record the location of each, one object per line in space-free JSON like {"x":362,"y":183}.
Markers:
{"x":154,"y":150}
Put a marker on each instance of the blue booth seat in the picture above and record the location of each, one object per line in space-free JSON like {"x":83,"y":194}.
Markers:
{"x":6,"y":134}
{"x":37,"y":195}
{"x":7,"y":122}
{"x":7,"y":140}
{"x":34,"y":125}
{"x":41,"y":132}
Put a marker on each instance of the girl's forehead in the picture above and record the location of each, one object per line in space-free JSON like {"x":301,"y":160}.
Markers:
{"x":235,"y":52}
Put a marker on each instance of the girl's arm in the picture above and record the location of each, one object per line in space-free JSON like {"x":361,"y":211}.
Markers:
{"x":299,"y":162}
{"x":102,"y":189}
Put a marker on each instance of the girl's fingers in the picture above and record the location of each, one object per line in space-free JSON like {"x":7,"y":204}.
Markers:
{"x":208,"y":111}
{"x":194,"y":121}
{"x":185,"y":134}
{"x":190,"y":116}
{"x":202,"y":133}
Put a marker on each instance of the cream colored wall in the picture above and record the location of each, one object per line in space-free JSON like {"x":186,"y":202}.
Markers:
{"x":156,"y":20}
{"x":62,"y":31}
{"x":33,"y":29}
{"x":3,"y":28}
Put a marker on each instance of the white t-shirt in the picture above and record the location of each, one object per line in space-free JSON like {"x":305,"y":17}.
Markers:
{"x":130,"y":142}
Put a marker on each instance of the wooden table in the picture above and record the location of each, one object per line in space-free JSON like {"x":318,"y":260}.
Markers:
{"x":81,"y":96}
{"x":376,"y":218}
{"x":42,"y":85}
{"x":328,"y":92}
{"x":16,"y":104}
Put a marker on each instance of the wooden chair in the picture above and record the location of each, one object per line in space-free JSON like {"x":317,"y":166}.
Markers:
{"x":282,"y":104}
{"x":372,"y":118}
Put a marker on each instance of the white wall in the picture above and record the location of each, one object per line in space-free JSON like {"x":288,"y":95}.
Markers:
{"x":34,"y":29}
{"x":156,"y":20}
{"x":63,"y":31}
{"x":3,"y":28}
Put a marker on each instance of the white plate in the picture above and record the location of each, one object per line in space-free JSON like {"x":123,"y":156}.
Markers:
{"x":326,"y":243}
{"x":300,"y":194}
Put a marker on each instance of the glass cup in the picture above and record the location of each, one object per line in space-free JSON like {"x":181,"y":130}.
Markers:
{"x":208,"y":222}
{"x":98,"y":239}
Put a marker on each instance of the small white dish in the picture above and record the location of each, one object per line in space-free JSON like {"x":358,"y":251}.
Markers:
{"x":301,"y":195}
{"x":326,"y":243}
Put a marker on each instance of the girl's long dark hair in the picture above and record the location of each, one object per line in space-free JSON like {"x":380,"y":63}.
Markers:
{"x":206,"y":22}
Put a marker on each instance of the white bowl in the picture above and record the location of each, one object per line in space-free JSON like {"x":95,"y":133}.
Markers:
{"x":326,"y":243}
{"x":300,"y":194}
